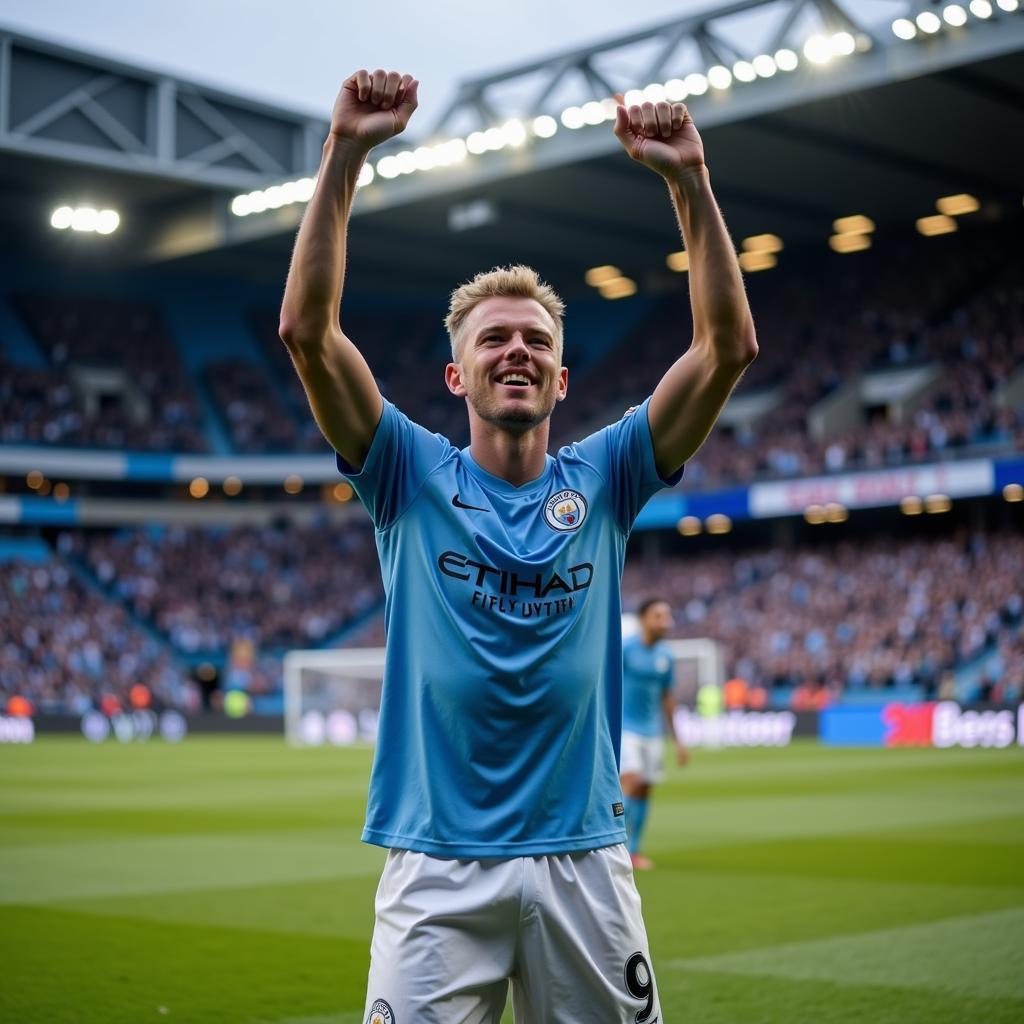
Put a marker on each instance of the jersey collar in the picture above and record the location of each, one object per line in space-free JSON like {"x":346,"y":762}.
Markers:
{"x":502,"y":486}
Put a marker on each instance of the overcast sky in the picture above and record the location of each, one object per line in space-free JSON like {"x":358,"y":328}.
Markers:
{"x":296,"y":53}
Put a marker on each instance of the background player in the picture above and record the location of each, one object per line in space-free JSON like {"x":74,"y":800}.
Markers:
{"x":647,"y":707}
{"x":495,"y":782}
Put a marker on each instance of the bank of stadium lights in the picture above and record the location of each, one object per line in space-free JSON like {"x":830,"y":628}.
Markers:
{"x":929,"y":23}
{"x":759,"y":252}
{"x":852,"y":234}
{"x":610,"y":282}
{"x":85,"y":219}
{"x":833,"y":512}
{"x":818,"y":49}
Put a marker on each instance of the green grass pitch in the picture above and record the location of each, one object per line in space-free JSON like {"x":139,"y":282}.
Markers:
{"x":222,"y":880}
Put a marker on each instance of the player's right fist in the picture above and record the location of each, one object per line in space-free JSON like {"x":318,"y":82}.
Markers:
{"x":373,"y":107}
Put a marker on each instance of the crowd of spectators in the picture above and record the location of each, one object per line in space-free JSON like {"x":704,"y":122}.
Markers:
{"x":960,"y":309}
{"x":280,"y":587}
{"x":66,"y":648}
{"x":954,"y":303}
{"x":255,"y":412}
{"x":857,"y":616}
{"x":97,"y":333}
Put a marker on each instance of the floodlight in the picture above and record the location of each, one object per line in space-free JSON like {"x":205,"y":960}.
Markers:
{"x":1013,"y":493}
{"x":107,"y":222}
{"x":818,"y":49}
{"x":424,"y":158}
{"x":857,"y":224}
{"x":678,"y":261}
{"x":84,"y":219}
{"x":593,"y":112}
{"x":718,"y":523}
{"x":544,"y":126}
{"x":764,"y":65}
{"x":257,"y":201}
{"x":405,"y":162}
{"x":618,"y":288}
{"x":849,"y":243}
{"x":513,"y":132}
{"x":744,"y":71}
{"x":1008,"y":5}
{"x":696,"y":84}
{"x":928,"y":22}
{"x":719,"y":77}
{"x":937,"y":224}
{"x":689,"y":526}
{"x":274,"y":197}
{"x":675,"y":90}
{"x":304,"y":189}
{"x":61,"y":218}
{"x":495,"y":139}
{"x":633,"y":97}
{"x":904,"y":28}
{"x":954,"y":15}
{"x":365,"y":177}
{"x":786,"y":59}
{"x":981,"y":8}
{"x":843,"y":44}
{"x":475,"y":143}
{"x":572,"y":117}
{"x":763,"y":243}
{"x":597,"y":276}
{"x":754,"y":261}
{"x":387,"y":167}
{"x":956,"y":206}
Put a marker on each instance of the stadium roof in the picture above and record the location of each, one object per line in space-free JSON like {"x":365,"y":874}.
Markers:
{"x":882,"y":131}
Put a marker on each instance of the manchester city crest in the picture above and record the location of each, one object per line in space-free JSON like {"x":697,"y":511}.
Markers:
{"x":565,"y":511}
{"x":380,"y":1013}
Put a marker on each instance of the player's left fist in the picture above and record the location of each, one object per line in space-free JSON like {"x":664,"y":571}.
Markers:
{"x":661,"y":136}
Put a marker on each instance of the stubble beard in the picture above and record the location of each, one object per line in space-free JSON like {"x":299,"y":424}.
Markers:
{"x":516,"y":420}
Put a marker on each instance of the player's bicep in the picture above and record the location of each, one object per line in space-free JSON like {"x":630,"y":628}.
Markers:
{"x":686,"y":403}
{"x":342,"y":393}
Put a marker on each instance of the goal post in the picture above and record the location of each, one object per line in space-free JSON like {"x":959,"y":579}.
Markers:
{"x":333,"y":697}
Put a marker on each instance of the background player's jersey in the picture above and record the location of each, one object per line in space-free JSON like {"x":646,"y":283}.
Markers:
{"x":646,"y":678}
{"x":501,"y":710}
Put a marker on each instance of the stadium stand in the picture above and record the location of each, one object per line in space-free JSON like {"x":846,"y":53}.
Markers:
{"x":115,"y":379}
{"x":281,"y":586}
{"x":66,"y":647}
{"x":817,"y":622}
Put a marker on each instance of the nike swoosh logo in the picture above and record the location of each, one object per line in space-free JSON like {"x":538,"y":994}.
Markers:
{"x":472,"y":508}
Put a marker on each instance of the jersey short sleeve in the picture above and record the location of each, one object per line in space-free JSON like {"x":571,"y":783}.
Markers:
{"x":401,"y":457}
{"x":623,"y":454}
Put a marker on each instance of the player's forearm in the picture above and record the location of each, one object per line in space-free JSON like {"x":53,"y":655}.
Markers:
{"x":312,"y":294}
{"x":721,"y":314}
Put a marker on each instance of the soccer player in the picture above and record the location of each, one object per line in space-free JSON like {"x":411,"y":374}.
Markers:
{"x":495,"y":783}
{"x":647,"y":706}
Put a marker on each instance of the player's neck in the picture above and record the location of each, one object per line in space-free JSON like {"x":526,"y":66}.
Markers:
{"x":648,"y":639}
{"x":517,"y":458}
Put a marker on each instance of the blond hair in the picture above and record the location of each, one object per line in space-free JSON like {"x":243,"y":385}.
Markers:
{"x":520,"y":282}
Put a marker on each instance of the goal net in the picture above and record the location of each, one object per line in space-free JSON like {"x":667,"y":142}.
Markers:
{"x":333,"y":697}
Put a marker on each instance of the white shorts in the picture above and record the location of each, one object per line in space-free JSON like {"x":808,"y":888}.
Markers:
{"x":643,"y":756}
{"x":564,"y":929}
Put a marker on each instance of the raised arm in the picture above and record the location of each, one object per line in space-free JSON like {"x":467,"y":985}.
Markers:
{"x":693,"y":391}
{"x":342,"y":393}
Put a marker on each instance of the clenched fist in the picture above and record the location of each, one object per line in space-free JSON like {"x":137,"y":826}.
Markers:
{"x":373,"y":107}
{"x":661,"y":136}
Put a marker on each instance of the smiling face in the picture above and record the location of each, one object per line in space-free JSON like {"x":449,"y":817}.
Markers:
{"x":509,"y":368}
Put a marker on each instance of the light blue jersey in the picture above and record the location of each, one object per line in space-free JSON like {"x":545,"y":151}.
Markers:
{"x":501,"y":709}
{"x":646,"y":678}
